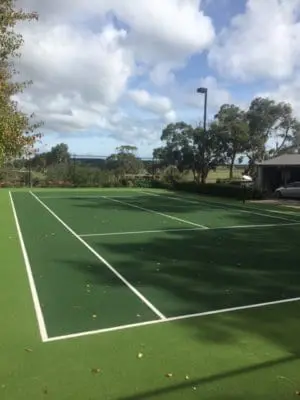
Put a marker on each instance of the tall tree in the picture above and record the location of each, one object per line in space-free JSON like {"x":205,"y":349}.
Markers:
{"x":268,"y":119}
{"x":59,"y":154}
{"x":179,"y":146}
{"x":17,"y":131}
{"x":192,"y":149}
{"x":232,"y":125}
{"x":211,"y":151}
{"x":125,"y":161}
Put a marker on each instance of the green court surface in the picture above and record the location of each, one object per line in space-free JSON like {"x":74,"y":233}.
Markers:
{"x":185,"y":281}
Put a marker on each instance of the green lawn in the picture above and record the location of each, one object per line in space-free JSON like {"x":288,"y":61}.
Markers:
{"x":219,"y":173}
{"x":245,"y":354}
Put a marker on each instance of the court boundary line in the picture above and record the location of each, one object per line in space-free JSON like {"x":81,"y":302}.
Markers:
{"x":87,"y":235}
{"x":35,"y":298}
{"x":82,"y":197}
{"x":141,"y":232}
{"x":103,"y":260}
{"x":219,"y":205}
{"x":149,"y":210}
{"x":173,"y":319}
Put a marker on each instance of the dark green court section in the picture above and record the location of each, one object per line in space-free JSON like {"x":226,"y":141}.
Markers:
{"x":77,"y":292}
{"x":98,"y":215}
{"x":190,"y":272}
{"x":105,"y":215}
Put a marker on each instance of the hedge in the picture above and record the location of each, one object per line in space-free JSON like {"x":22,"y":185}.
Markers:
{"x":214,"y":189}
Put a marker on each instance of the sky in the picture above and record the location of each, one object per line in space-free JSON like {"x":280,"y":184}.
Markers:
{"x":108,"y":73}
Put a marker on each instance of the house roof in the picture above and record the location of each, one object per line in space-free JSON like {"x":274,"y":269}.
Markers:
{"x":284,"y":159}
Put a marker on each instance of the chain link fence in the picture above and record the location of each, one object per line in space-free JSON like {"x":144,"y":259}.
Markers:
{"x":79,"y":171}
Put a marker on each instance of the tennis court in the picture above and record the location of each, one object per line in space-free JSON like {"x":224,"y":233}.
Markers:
{"x":106,"y":260}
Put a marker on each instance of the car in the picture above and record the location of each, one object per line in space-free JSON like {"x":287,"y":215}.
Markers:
{"x":291,"y":190}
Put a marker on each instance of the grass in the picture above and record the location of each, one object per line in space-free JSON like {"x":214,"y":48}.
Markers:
{"x":219,"y":173}
{"x":240,"y":355}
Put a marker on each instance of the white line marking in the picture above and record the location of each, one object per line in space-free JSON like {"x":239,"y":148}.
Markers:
{"x":222,"y":206}
{"x":131,"y":287}
{"x":141,"y":232}
{"x":35,"y":298}
{"x":171,"y":319}
{"x":70,"y":197}
{"x":157,"y":212}
{"x":188,"y":229}
{"x":255,"y":226}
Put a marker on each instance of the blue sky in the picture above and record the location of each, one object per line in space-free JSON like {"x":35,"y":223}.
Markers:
{"x":116,"y":72}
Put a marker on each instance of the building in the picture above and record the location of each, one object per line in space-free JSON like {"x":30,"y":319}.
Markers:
{"x":278,"y":171}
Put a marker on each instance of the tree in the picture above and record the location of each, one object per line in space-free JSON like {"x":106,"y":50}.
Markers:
{"x":17,"y":131}
{"x":124,"y":161}
{"x":180,"y":148}
{"x":268,"y":119}
{"x":192,"y":149}
{"x":211,"y":151}
{"x":232,"y":124}
{"x":59,"y":154}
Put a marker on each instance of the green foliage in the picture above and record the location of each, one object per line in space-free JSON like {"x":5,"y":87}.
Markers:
{"x":268,"y":119}
{"x":124,"y":161}
{"x":17,"y":131}
{"x":221,"y":190}
{"x":232,"y":124}
{"x":232,"y":135}
{"x":188,"y":148}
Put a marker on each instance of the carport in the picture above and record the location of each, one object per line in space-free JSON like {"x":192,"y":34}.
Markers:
{"x":278,"y":171}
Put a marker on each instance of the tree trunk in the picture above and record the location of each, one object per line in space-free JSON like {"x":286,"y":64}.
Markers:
{"x":231,"y":166}
{"x":194,"y":174}
{"x":204,"y":174}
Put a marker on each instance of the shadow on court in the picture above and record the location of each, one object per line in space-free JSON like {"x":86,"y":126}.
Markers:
{"x":197,"y":383}
{"x":191,"y":272}
{"x":210,"y":270}
{"x":186,"y":208}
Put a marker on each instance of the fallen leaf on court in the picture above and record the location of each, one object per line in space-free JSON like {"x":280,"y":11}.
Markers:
{"x":28,"y":350}
{"x":140,"y":355}
{"x":95,"y":370}
{"x":169,"y":375}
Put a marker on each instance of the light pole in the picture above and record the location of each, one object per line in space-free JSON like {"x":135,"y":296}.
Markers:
{"x":203,"y":90}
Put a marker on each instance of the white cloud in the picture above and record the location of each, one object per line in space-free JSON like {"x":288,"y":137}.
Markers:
{"x":81,"y":62}
{"x":287,"y":92}
{"x":159,"y":105}
{"x":216,"y":94}
{"x":262,"y":43}
{"x":64,"y":60}
{"x":161,"y":34}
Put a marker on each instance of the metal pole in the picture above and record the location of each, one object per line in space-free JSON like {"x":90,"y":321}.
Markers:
{"x":205,"y":111}
{"x":203,"y":90}
{"x":29,"y":170}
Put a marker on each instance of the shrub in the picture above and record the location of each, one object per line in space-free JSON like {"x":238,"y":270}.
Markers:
{"x":221,"y":190}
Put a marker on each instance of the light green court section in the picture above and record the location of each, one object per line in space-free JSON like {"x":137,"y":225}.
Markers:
{"x":252,"y":354}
